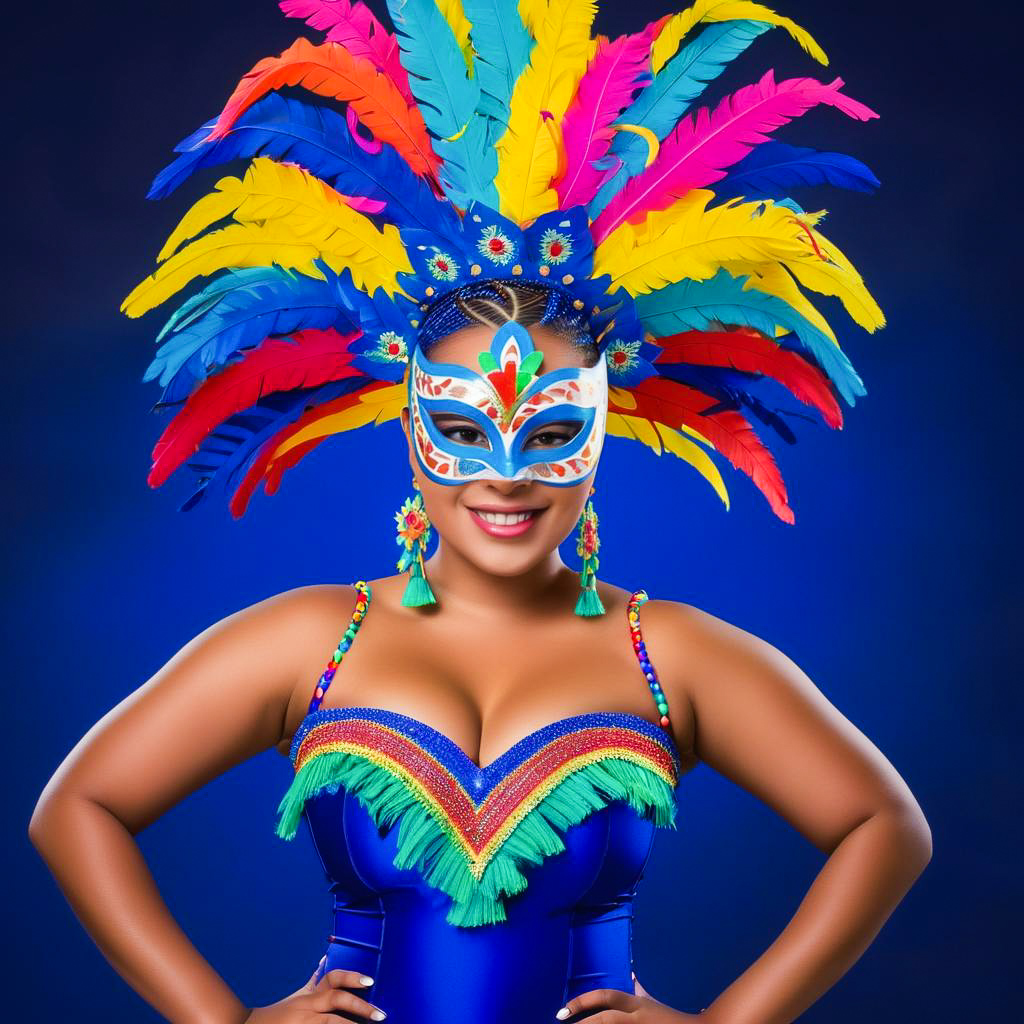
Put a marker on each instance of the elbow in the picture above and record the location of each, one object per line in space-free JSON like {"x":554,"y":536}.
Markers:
{"x":910,"y":834}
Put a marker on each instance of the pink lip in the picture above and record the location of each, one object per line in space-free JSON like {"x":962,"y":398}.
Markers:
{"x":512,"y":529}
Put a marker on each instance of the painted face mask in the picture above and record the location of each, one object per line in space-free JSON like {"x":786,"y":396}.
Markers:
{"x":508,"y":403}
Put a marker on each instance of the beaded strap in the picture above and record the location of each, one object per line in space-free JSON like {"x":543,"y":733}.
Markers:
{"x":638,"y":598}
{"x":358,"y":613}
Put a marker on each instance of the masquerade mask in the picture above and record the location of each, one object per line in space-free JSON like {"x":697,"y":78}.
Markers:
{"x":507,"y":403}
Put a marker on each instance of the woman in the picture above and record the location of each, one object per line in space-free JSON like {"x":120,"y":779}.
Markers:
{"x":510,"y":248}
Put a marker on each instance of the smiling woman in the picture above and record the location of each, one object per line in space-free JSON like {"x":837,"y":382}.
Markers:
{"x":512,"y":240}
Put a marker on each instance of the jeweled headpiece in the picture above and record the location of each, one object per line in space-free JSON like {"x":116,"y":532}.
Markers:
{"x":496,"y":140}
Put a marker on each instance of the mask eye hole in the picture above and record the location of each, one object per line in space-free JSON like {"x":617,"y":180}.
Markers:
{"x":460,"y":430}
{"x":553,"y":435}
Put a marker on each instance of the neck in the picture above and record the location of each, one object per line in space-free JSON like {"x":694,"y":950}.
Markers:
{"x":461,"y":583}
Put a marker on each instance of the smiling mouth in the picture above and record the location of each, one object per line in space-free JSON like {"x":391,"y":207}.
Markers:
{"x":505,"y":523}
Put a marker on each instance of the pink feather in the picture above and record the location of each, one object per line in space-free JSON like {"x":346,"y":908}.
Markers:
{"x":699,"y":149}
{"x":605,"y":90}
{"x":355,"y":26}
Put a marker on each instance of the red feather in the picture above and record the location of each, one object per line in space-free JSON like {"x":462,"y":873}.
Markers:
{"x":331,"y":70}
{"x":262,"y":466}
{"x":751,"y":352}
{"x":310,"y":358}
{"x":673,"y":404}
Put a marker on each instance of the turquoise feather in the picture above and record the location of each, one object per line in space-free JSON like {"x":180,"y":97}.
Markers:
{"x":502,"y":46}
{"x":691,"y":305}
{"x":660,"y":106}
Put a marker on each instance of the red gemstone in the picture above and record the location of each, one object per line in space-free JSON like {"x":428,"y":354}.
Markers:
{"x":556,"y":249}
{"x":442,"y":266}
{"x":496,"y":245}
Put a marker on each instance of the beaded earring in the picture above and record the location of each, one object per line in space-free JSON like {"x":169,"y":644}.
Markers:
{"x":587,"y":543}
{"x":414,"y":535}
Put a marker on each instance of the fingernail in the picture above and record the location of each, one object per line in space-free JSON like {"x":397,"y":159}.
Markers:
{"x":563,"y":1013}
{"x":378,"y":1015}
{"x":365,"y":979}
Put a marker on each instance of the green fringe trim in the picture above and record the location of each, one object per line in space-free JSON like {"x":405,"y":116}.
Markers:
{"x":426,"y":840}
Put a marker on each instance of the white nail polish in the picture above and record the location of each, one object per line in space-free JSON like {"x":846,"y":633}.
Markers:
{"x":378,"y":1015}
{"x":563,"y":1013}
{"x":365,"y":979}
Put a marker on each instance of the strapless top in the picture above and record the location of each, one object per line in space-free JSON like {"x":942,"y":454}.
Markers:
{"x":480,"y":895}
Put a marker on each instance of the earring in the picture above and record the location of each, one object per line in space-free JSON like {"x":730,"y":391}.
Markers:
{"x":414,"y":535}
{"x":587,"y":543}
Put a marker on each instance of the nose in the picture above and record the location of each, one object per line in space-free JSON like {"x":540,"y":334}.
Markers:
{"x":505,"y":486}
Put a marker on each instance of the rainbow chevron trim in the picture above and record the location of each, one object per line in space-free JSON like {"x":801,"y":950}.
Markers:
{"x":495,"y":818}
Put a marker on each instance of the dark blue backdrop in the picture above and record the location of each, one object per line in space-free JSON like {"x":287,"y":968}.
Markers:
{"x":898,"y":589}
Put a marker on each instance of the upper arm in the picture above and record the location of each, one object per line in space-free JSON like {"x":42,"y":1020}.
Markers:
{"x":760,"y":721}
{"x":223,"y":698}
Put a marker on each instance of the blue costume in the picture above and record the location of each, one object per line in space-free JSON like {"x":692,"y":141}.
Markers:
{"x":565,"y":820}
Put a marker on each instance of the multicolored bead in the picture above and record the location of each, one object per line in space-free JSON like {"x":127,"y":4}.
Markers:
{"x":358,"y":614}
{"x":636,"y":600}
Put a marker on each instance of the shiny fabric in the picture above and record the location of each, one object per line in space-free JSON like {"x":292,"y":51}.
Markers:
{"x":568,"y":931}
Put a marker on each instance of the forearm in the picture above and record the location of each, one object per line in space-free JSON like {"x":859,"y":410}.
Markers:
{"x":105,"y":878}
{"x":859,"y":886}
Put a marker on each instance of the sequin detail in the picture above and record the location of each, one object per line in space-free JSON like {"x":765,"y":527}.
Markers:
{"x":478,"y":808}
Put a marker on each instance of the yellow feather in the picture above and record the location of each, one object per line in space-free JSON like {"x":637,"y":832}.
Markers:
{"x":275,"y":204}
{"x":774,"y":279}
{"x":688,"y":241}
{"x":840,"y":278}
{"x":675,"y":30}
{"x":661,"y":439}
{"x":455,"y":15}
{"x":528,"y":152}
{"x":376,"y":407}
{"x":532,"y":12}
{"x":237,"y":245}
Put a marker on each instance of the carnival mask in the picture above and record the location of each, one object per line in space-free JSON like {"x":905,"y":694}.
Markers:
{"x":507,"y":402}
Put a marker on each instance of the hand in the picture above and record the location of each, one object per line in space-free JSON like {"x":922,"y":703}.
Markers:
{"x":617,"y":1007}
{"x":315,"y":1001}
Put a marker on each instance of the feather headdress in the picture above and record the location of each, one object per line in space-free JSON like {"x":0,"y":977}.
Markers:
{"x":502,"y":139}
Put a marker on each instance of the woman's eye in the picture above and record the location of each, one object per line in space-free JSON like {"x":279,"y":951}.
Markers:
{"x":554,"y":436}
{"x":463,"y":433}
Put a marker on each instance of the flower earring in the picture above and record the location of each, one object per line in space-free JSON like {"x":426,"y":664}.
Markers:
{"x":587,"y":543}
{"x":414,"y":535}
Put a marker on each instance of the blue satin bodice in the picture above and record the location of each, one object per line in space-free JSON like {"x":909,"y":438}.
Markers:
{"x":558,"y":830}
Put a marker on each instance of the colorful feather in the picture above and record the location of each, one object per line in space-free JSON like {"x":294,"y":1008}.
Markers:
{"x":725,"y":10}
{"x":673,"y":404}
{"x":529,"y":152}
{"x":330,"y":70}
{"x":358,"y":30}
{"x":236,"y":312}
{"x":617,"y":70}
{"x":376,"y":401}
{"x":532,"y":14}
{"x":750,"y":352}
{"x":658,"y":108}
{"x":319,"y":139}
{"x":307,"y":359}
{"x":698,"y":151}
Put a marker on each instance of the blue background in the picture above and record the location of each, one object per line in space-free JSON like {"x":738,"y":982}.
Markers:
{"x":898,"y":590}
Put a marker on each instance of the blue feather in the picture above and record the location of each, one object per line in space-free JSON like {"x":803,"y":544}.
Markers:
{"x":227,"y":453}
{"x":766,"y":171}
{"x":237,"y":312}
{"x":660,"y":106}
{"x":319,"y":140}
{"x":448,"y":97}
{"x":691,"y":305}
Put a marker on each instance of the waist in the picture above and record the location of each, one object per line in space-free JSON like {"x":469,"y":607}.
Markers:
{"x":519,"y":971}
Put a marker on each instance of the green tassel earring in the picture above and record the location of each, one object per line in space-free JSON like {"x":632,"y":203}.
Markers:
{"x":587,"y":543}
{"x":414,"y":536}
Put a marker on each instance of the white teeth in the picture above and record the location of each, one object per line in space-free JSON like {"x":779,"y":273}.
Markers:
{"x":504,"y":518}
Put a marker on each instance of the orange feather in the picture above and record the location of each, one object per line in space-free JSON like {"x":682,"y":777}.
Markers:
{"x":329,"y":69}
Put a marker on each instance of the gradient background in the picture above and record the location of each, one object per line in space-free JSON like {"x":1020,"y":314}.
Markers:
{"x":898,"y":590}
